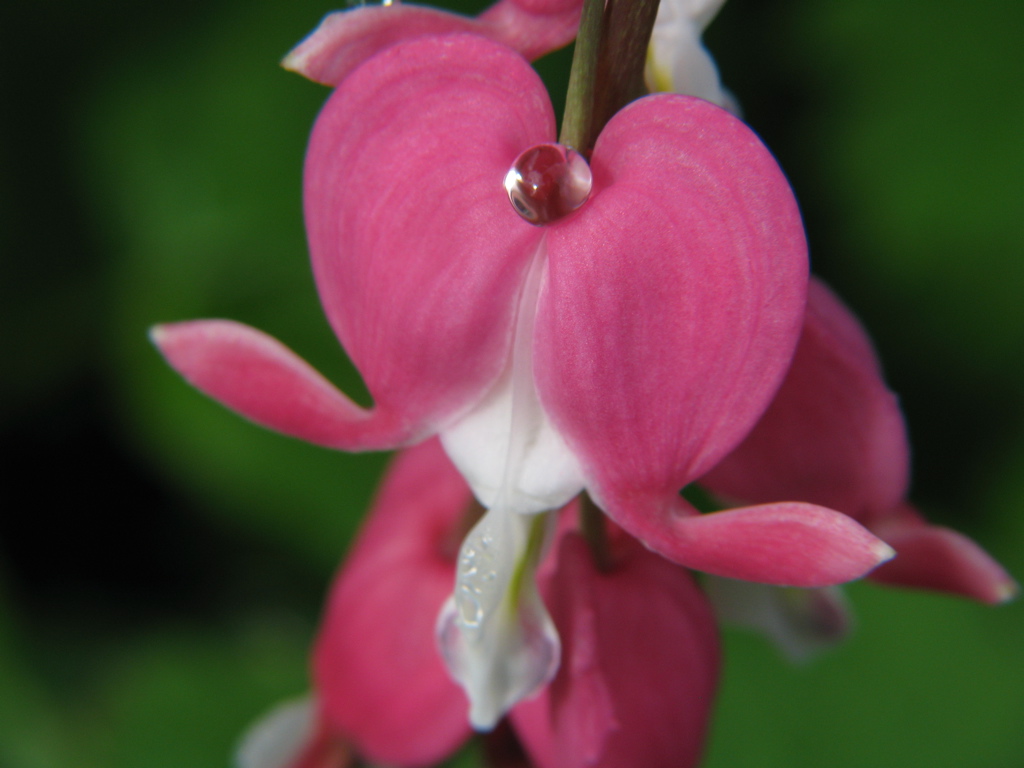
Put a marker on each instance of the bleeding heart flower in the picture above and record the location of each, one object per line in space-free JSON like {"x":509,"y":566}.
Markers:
{"x":834,"y":435}
{"x":624,"y":347}
{"x":637,"y":680}
{"x":640,"y":667}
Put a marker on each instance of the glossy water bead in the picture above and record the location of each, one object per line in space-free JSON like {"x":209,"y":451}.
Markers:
{"x":547,"y":182}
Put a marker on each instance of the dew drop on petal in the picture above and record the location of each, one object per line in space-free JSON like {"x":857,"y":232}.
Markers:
{"x":548,"y":182}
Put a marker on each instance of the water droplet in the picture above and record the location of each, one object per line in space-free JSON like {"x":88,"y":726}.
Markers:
{"x":548,"y":182}
{"x":470,"y":612}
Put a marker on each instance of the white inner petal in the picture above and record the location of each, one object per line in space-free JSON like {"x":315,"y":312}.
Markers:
{"x":677,"y":60}
{"x":494,"y":633}
{"x":528,"y":463}
{"x":507,"y":449}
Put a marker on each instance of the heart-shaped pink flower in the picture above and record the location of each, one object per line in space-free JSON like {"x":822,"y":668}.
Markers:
{"x":624,"y":347}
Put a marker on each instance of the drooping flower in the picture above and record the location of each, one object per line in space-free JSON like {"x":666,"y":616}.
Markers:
{"x":640,"y":666}
{"x":834,"y":435}
{"x":640,"y":647}
{"x":376,"y":671}
{"x":379,"y":686}
{"x":623,"y":348}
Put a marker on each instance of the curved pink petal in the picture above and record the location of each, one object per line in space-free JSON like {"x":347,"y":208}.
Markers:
{"x":659,"y":346}
{"x":834,"y":434}
{"x":789,"y":544}
{"x":533,"y":27}
{"x":346,"y":39}
{"x":936,"y":558}
{"x":257,"y":376}
{"x":377,"y":673}
{"x":638,"y":676}
{"x":418,"y":256}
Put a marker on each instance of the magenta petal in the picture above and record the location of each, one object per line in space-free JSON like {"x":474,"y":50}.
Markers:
{"x":936,"y":558}
{"x":346,"y":39}
{"x":659,"y":346}
{"x":638,"y":676}
{"x":533,"y":27}
{"x":833,"y":435}
{"x":257,"y":376}
{"x":377,"y":672}
{"x":417,"y":254}
{"x":789,"y":544}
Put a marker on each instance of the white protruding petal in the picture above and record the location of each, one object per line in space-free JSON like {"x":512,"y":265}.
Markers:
{"x":494,"y":633}
{"x":547,"y":474}
{"x":677,"y":60}
{"x":698,"y":12}
{"x":506,"y":447}
{"x":277,"y":738}
{"x":801,"y":622}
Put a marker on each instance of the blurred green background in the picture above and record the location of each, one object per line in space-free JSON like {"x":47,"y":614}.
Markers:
{"x":162,"y":562}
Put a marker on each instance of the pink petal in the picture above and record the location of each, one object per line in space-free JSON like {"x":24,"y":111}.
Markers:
{"x":936,"y":558}
{"x":260,"y":378}
{"x":660,"y":345}
{"x":417,"y":254}
{"x":834,"y":434}
{"x":638,"y":676}
{"x":533,"y":27}
{"x":346,"y":39}
{"x":789,"y":544}
{"x":377,"y":672}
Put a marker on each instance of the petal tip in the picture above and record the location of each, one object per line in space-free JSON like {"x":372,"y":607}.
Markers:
{"x":1006,"y":592}
{"x":883,"y":552}
{"x":157,"y":333}
{"x":290,"y":62}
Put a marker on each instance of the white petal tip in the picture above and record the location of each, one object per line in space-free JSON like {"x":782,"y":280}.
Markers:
{"x":1007,"y":591}
{"x":494,"y":634}
{"x":882,"y":552}
{"x":483,"y":720}
{"x":278,"y":737}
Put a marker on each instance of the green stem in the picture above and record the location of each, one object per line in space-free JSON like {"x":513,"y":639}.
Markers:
{"x":530,"y":559}
{"x":577,"y":130}
{"x":607,"y":66}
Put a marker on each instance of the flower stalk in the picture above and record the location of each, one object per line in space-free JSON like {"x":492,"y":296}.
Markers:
{"x":607,"y":66}
{"x":577,"y":122}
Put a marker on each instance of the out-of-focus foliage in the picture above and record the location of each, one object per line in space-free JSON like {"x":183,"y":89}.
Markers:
{"x":162,"y":561}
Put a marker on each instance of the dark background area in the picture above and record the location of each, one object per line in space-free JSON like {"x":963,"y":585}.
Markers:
{"x":162,"y":561}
